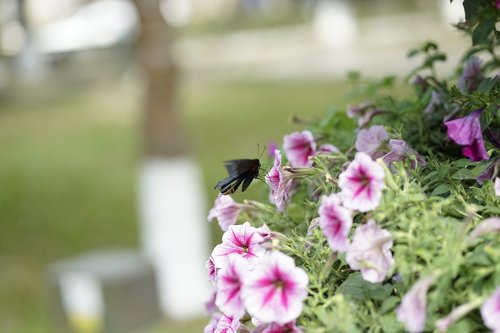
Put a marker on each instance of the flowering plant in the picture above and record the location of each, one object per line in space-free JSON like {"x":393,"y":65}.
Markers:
{"x":381,"y":219}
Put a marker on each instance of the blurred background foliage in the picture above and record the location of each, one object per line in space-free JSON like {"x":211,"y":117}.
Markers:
{"x":70,"y":117}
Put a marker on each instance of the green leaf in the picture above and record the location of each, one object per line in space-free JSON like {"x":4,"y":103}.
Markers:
{"x":471,"y":9}
{"x":389,"y":303}
{"x":433,"y":58}
{"x":464,"y":174}
{"x":483,"y":30}
{"x":486,"y":85}
{"x":441,"y":189}
{"x":354,"y":287}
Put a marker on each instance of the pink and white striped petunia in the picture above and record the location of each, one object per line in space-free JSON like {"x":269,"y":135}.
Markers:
{"x":412,"y":311}
{"x":299,"y":146}
{"x":243,"y":240}
{"x":275,"y":290}
{"x":279,"y":184}
{"x":362,"y":183}
{"x":211,"y":270}
{"x":226,"y":211}
{"x":335,"y":221}
{"x":370,"y":252}
{"x":229,"y":283}
{"x":228,"y":324}
{"x":212,"y":324}
{"x":490,"y":311}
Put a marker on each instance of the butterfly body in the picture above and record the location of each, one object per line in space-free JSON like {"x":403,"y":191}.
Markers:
{"x":239,"y":171}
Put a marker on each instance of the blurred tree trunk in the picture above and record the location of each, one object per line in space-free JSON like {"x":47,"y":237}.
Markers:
{"x":162,"y":133}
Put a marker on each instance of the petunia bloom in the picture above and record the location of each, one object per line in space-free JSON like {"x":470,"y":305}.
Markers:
{"x":327,"y":149}
{"x":212,"y":324}
{"x":299,"y":146}
{"x":275,"y":290}
{"x":211,"y":269}
{"x":490,"y":311}
{"x":490,"y":225}
{"x":243,"y":240}
{"x":370,"y":252}
{"x":279,"y":183}
{"x":226,"y":210}
{"x":290,"y":327}
{"x":466,"y":132}
{"x":412,"y":311}
{"x":362,"y":183}
{"x":229,"y":283}
{"x":370,"y":141}
{"x":335,"y":221}
{"x":228,"y":324}
{"x":400,"y":151}
{"x":471,"y":76}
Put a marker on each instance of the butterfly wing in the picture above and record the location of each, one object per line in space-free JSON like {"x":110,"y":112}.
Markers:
{"x":242,"y":170}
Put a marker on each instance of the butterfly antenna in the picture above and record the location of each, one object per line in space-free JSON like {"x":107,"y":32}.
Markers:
{"x":258,"y":151}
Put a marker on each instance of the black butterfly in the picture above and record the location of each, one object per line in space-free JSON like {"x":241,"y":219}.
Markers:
{"x":240,"y":171}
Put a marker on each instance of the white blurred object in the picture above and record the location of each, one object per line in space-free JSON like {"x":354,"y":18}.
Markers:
{"x":99,"y":24}
{"x":12,"y":38}
{"x":452,"y":13}
{"x":334,"y":23}
{"x":177,"y":13}
{"x":175,"y":233}
{"x":82,"y":299}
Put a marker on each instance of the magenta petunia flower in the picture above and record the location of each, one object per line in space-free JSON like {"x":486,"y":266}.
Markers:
{"x":335,"y":221}
{"x":466,"y":132}
{"x":275,"y":290}
{"x":487,"y":226}
{"x":370,"y":141}
{"x":370,"y":252}
{"x":362,"y":184}
{"x":227,"y":324}
{"x":226,"y":210}
{"x":299,"y":146}
{"x":490,"y":311}
{"x":279,"y":183}
{"x":412,"y":311}
{"x":400,"y":151}
{"x":211,"y":269}
{"x":471,"y":76}
{"x":243,"y":240}
{"x":229,"y":285}
{"x":290,"y":327}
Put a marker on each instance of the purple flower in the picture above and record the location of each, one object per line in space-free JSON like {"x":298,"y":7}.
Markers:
{"x":490,"y":311}
{"x":362,"y":183}
{"x":498,"y":4}
{"x":275,"y":289}
{"x":471,"y":76}
{"x":335,"y":221}
{"x":413,"y":308}
{"x":271,"y":148}
{"x":226,"y":210}
{"x":229,"y":285}
{"x":299,"y":146}
{"x":227,"y":324}
{"x":466,"y":132}
{"x":327,"y":149}
{"x":370,"y":252}
{"x":212,"y":324}
{"x":435,"y":101}
{"x":370,"y":140}
{"x":243,"y":240}
{"x":490,"y":172}
{"x":490,"y":225}
{"x":211,"y":269}
{"x":210,"y":303}
{"x":279,"y":183}
{"x":400,"y":151}
{"x":290,"y":327}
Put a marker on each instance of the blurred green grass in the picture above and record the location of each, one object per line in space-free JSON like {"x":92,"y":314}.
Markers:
{"x":68,"y":165}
